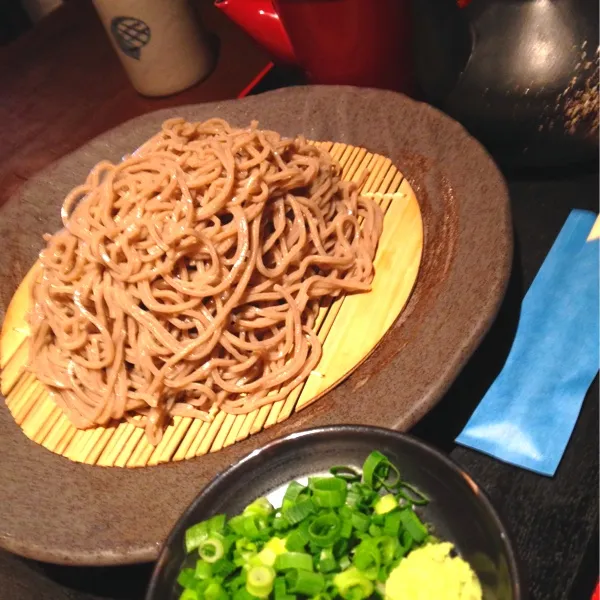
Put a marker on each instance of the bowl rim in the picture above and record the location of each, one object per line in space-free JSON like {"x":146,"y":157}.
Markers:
{"x":514,"y":564}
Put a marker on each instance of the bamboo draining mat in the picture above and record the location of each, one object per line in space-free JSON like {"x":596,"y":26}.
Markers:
{"x":350,"y":328}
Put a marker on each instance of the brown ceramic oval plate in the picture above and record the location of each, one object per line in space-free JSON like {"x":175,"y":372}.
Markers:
{"x":59,"y":511}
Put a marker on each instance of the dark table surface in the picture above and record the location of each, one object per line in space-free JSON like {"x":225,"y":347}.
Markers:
{"x":554,"y":521}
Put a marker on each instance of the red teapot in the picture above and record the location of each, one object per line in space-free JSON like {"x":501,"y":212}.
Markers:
{"x":353,"y":42}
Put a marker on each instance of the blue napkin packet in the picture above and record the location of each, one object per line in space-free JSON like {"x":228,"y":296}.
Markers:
{"x":528,"y":414}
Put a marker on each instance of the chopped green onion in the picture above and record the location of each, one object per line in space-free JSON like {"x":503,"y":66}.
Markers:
{"x":203,"y":570}
{"x":351,"y":584}
{"x":327,"y":562}
{"x":307,"y":583}
{"x":237,"y":524}
{"x":367,"y":558}
{"x":280,"y":590}
{"x":413,"y":525}
{"x":392,"y":478}
{"x":391,"y":525}
{"x":280,"y":523}
{"x":195,"y":535}
{"x":335,"y":538}
{"x":238,"y":582}
{"x":222,"y":568}
{"x":412,"y":494}
{"x":272,"y":549}
{"x":375,"y":469}
{"x":293,"y":491}
{"x":360,"y":521}
{"x":211,"y":549}
{"x":299,"y":511}
{"x":186,"y":578}
{"x":346,"y":528}
{"x":354,"y":499}
{"x":294,"y":560}
{"x":347,"y":473}
{"x":378,"y":520}
{"x":245,"y":549}
{"x":215,"y":591}
{"x":328,"y":492}
{"x":303,"y":530}
{"x":216,"y":524}
{"x":252,"y":526}
{"x":243,"y":594}
{"x":261,"y":506}
{"x":279,"y":586}
{"x":405,"y":544}
{"x":340,"y":547}
{"x":324,"y":530}
{"x":296,"y":541}
{"x":387,"y":546}
{"x":259,"y":581}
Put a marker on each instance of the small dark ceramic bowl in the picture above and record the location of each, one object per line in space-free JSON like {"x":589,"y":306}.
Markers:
{"x":459,"y":510}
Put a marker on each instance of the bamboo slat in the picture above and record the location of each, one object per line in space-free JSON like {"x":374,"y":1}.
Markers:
{"x":348,"y":327}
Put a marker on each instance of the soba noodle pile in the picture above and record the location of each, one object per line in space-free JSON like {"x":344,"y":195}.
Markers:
{"x":189,"y":275}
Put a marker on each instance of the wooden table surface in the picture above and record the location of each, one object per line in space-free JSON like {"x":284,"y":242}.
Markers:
{"x":61,"y":84}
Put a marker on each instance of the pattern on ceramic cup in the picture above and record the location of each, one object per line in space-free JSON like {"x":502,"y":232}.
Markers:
{"x":131,"y":35}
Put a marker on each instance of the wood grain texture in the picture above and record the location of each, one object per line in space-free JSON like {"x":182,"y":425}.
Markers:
{"x":349,"y":329}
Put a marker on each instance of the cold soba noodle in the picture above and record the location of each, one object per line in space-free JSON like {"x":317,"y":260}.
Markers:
{"x":189,"y":275}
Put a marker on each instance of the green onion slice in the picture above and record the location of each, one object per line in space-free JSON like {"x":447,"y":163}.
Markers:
{"x":294,"y":560}
{"x":293,"y":491}
{"x":413,"y":525}
{"x":367,"y":558}
{"x":307,"y":583}
{"x":324,"y":530}
{"x":188,"y":594}
{"x":195,"y":535}
{"x":259,"y":581}
{"x":347,"y":473}
{"x":211,"y":549}
{"x":297,"y":512}
{"x":412,"y":494}
{"x":261,"y":506}
{"x":351,"y":584}
{"x":329,"y":492}
{"x":203,"y":570}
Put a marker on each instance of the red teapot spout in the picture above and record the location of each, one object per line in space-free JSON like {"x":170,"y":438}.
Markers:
{"x":259,"y":19}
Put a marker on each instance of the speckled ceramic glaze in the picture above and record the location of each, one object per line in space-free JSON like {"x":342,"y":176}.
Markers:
{"x":59,"y":511}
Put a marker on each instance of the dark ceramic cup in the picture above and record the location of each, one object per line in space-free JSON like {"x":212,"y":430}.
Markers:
{"x":459,"y":510}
